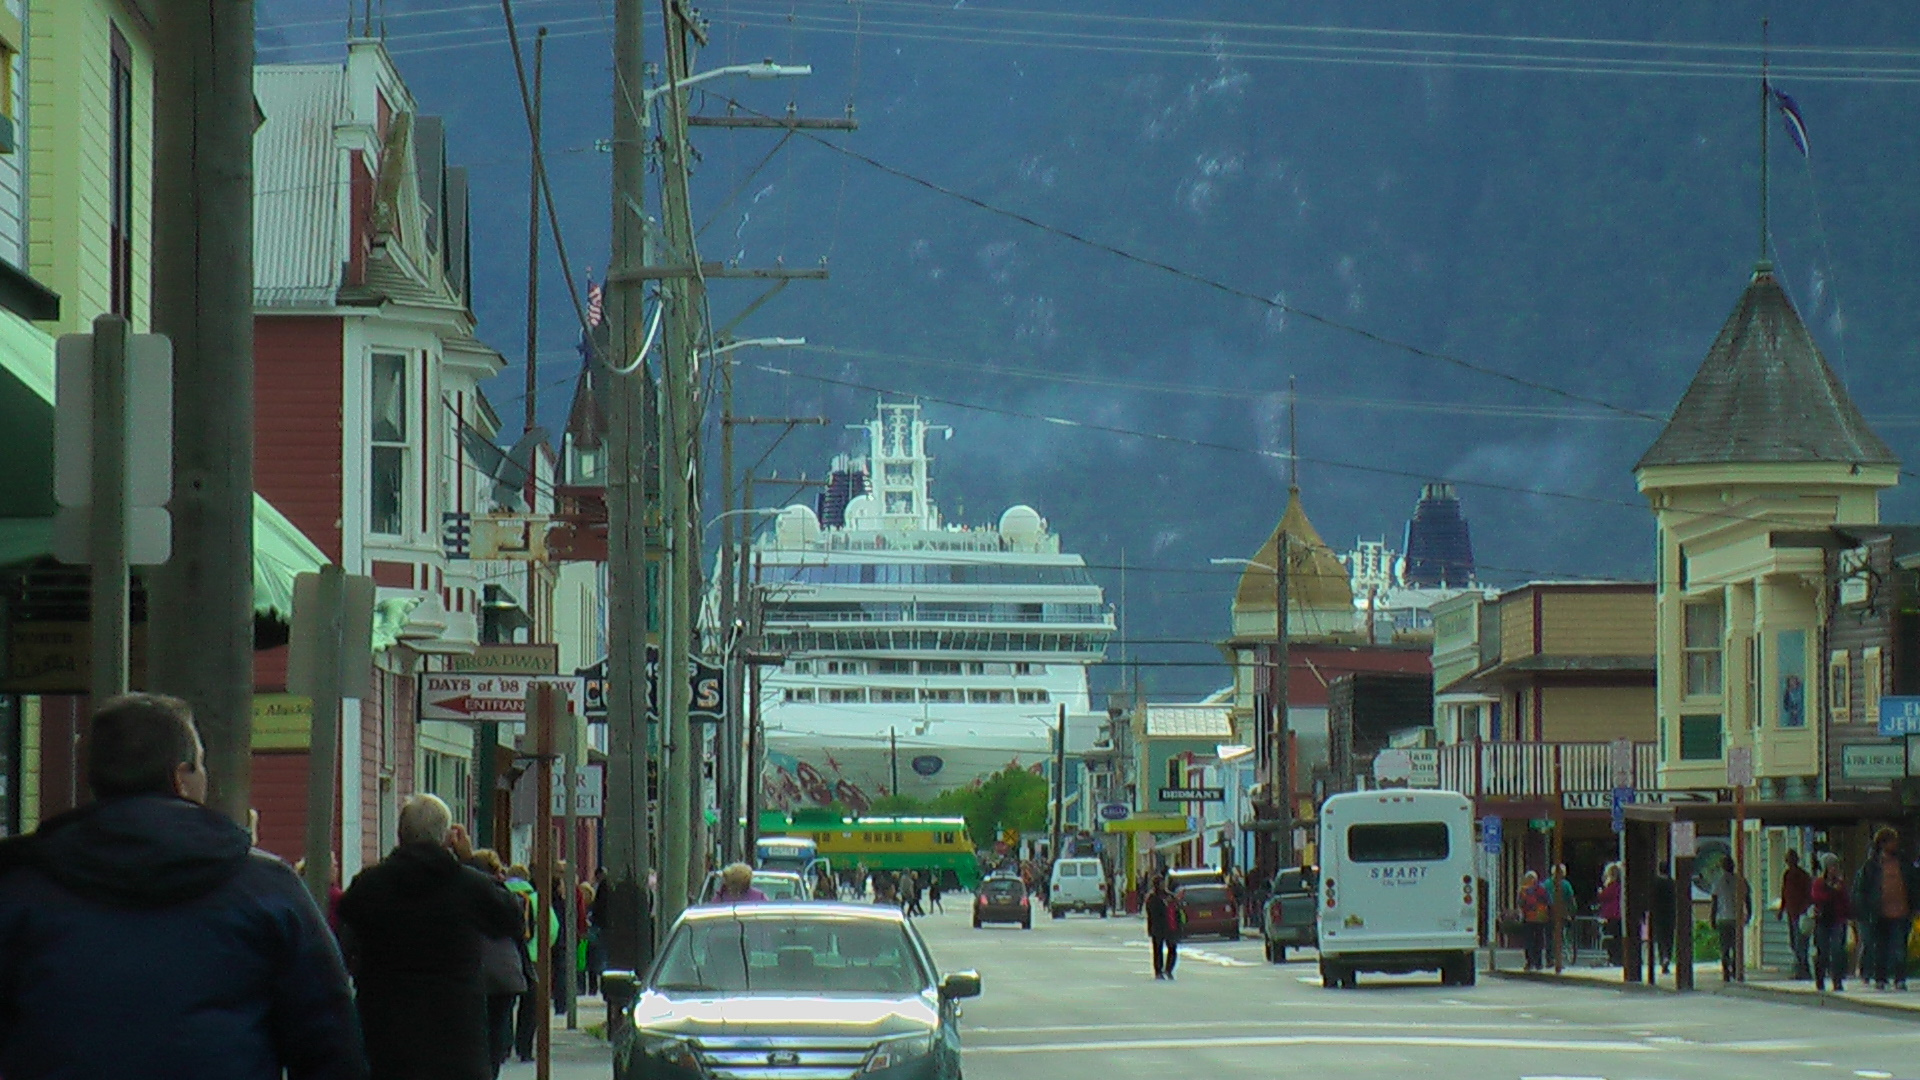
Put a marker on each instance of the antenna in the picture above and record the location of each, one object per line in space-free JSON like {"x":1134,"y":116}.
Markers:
{"x":1293,"y":438}
{"x":1765,"y":92}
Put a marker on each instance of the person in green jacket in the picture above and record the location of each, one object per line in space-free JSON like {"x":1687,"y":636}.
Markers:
{"x":532,"y":1011}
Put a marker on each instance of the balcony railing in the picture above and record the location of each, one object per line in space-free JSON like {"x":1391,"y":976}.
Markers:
{"x":1538,"y":770}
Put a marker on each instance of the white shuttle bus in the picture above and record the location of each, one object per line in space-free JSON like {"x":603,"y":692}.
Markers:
{"x":1397,"y":888}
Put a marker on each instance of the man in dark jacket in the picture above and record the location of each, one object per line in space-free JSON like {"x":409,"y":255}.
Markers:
{"x":143,"y":936}
{"x":413,"y":927}
{"x":1884,"y":895}
{"x":1163,"y":928}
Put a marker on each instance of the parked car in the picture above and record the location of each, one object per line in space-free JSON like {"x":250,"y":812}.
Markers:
{"x":776,"y":884}
{"x":1194,"y":875}
{"x":1292,"y":917}
{"x":814,"y":989}
{"x":1077,"y":885}
{"x":1208,"y":909}
{"x":1000,"y":900}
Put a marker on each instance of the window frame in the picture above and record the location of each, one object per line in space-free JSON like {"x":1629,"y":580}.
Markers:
{"x":1687,"y":736}
{"x":388,"y":447}
{"x":1716,"y":653}
{"x":120,"y":144}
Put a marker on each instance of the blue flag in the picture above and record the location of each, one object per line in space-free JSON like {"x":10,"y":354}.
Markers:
{"x":1790,"y":116}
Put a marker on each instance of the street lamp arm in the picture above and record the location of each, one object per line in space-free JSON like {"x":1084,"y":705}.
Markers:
{"x":764,"y":511}
{"x":765,"y":69}
{"x":758,"y":342}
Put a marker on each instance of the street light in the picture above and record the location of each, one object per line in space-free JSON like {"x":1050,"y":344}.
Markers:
{"x":763,"y":511}
{"x":1279,"y":766}
{"x":765,"y":69}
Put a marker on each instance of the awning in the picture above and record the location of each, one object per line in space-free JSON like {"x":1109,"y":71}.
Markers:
{"x":280,"y":550}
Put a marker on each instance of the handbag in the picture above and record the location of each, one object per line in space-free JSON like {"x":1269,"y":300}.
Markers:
{"x":503,"y":964}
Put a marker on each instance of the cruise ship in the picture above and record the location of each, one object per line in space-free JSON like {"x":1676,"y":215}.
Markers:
{"x":920,"y":655}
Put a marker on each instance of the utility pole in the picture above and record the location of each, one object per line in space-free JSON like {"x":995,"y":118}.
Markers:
{"x":1282,"y":764}
{"x":200,"y":625}
{"x":629,"y":828}
{"x":1059,"y":782}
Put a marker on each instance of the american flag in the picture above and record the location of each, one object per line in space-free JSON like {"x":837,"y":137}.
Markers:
{"x":595,"y":306}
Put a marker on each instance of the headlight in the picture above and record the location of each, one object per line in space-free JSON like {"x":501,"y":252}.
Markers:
{"x":898,"y":1052}
{"x":669,"y":1050}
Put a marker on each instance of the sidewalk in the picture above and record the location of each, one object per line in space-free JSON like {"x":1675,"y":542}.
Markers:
{"x":1763,"y":984}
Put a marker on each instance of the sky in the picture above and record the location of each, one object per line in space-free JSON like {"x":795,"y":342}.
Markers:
{"x":1489,"y":240}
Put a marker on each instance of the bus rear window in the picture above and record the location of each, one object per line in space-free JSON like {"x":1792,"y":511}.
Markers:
{"x":1400,"y":841}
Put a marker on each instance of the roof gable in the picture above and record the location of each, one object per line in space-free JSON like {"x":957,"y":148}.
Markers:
{"x":1765,"y":395}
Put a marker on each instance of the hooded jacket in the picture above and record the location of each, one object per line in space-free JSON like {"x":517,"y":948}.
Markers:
{"x":145,"y":937}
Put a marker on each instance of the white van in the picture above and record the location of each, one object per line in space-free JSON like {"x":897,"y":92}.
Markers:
{"x":1397,"y":889}
{"x":1077,"y":885}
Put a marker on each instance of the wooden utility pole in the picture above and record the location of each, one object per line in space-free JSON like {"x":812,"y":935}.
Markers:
{"x":1059,"y":782}
{"x":200,"y":622}
{"x":628,"y":936}
{"x":545,"y":702}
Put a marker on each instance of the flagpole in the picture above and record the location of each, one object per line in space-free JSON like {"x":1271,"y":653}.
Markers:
{"x":1765,"y":91}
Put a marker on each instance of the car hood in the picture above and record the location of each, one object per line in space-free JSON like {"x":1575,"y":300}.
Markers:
{"x":705,"y":1016}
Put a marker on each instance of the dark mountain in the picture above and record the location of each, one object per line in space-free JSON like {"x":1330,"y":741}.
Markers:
{"x":1586,"y":229}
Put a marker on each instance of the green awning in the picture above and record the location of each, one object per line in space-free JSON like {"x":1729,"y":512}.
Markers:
{"x":280,"y":550}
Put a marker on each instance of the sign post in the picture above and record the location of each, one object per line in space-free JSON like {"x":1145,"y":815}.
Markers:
{"x":329,"y":657}
{"x":1740,"y":775}
{"x":1491,"y":841}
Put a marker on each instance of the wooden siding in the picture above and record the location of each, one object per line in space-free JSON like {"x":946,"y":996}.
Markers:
{"x":297,"y":402}
{"x":1597,"y":713}
{"x":1598,"y":623}
{"x":280,"y":796}
{"x":68,"y":124}
{"x":1516,"y":626}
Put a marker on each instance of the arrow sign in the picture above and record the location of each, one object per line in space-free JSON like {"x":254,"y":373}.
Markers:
{"x":483,"y":698}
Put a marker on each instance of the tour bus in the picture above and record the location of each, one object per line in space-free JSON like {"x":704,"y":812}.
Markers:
{"x":1397,"y":889}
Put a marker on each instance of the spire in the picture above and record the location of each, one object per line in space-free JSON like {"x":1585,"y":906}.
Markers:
{"x":1293,"y":439}
{"x":1765,"y":395}
{"x":1765,"y":93}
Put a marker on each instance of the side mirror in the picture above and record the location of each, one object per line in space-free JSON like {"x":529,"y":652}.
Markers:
{"x":619,"y":988}
{"x":956,"y":984}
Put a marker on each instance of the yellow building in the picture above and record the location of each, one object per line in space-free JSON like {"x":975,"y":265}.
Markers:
{"x":1765,"y":440}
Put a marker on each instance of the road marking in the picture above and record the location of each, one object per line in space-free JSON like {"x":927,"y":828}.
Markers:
{"x":1816,"y":1064}
{"x":1872,"y":1074}
{"x":1563,"y":1078}
{"x":1590,"y":1046}
{"x":1206,"y":957}
{"x":1263,"y":1023}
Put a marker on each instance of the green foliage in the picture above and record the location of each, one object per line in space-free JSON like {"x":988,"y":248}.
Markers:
{"x":1009,"y":799}
{"x":1706,"y":942}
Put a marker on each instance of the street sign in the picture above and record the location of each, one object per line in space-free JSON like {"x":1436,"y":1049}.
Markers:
{"x":1490,"y":834}
{"x":537,"y":659}
{"x":1425,"y":768}
{"x":1392,"y":764}
{"x":480,"y":698}
{"x":1114,"y":811}
{"x":707,"y":684}
{"x":589,"y":791}
{"x":1603,"y":800}
{"x":1193,"y":794}
{"x":1682,"y":839}
{"x":1899,"y":715}
{"x":1740,"y":766}
{"x":1617,"y":806}
{"x":147,"y":442}
{"x":1873,"y":761}
{"x":1620,"y":757}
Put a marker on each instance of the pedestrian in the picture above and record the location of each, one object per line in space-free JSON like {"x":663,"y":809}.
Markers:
{"x":1608,"y":901}
{"x":823,"y":885}
{"x":504,"y":966}
{"x":1796,"y":896}
{"x":1535,"y":915}
{"x":1660,"y":917}
{"x":1163,"y":928}
{"x":736,"y":886}
{"x":1883,"y":896}
{"x":597,"y":910}
{"x":560,"y":964}
{"x":1832,"y":911}
{"x":414,"y":925}
{"x":112,"y":915}
{"x":913,"y":892}
{"x":1732,"y":907}
{"x":529,"y":1013}
{"x":934,"y":888}
{"x":1563,"y":905}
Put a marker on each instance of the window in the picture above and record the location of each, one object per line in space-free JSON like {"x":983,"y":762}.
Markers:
{"x":1176,"y":774}
{"x":798,"y":695}
{"x":120,"y":176}
{"x":1033,"y":697}
{"x":1840,"y":685}
{"x":1700,"y":738}
{"x":12,"y":36}
{"x":1870,"y":679}
{"x":893,"y":667}
{"x":847,"y":697}
{"x":990,"y":697}
{"x":892,"y":696}
{"x":387,"y":479}
{"x":940,"y":695}
{"x":803,"y":667}
{"x":1703,"y":634}
{"x":939,"y":667}
{"x":1029,"y":669}
{"x":1400,"y":841}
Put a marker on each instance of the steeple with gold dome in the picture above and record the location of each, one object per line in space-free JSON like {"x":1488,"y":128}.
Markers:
{"x":1319,"y":592}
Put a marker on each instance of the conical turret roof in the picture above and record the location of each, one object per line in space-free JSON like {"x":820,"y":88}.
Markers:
{"x":1319,"y":594}
{"x":1765,"y":395}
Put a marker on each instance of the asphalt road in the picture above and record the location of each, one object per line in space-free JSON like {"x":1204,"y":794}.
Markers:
{"x":1076,"y":1000}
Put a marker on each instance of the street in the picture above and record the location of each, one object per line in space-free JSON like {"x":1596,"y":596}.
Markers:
{"x":1076,"y":999}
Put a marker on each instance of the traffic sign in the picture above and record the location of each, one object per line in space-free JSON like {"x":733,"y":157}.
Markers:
{"x":1899,"y":715}
{"x":1684,"y":842}
{"x":1603,"y":800}
{"x":1740,"y":766}
{"x":1114,"y":811}
{"x":496,"y":698}
{"x":1193,"y":794}
{"x":1617,"y":806}
{"x":1620,"y":757}
{"x":1490,"y":834}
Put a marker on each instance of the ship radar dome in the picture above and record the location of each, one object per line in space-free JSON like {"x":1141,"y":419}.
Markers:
{"x":1022,"y":525}
{"x":797,"y":525}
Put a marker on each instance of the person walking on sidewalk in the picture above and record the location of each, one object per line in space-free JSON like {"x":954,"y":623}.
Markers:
{"x":1534,"y":917}
{"x":1660,"y":917}
{"x":1832,"y":911}
{"x":1163,"y":928}
{"x":1732,"y":907}
{"x":529,"y":1012}
{"x":1883,"y":893}
{"x":143,"y":936}
{"x":1796,"y":896}
{"x":414,"y":925}
{"x":1608,"y":901}
{"x":1564,"y":906}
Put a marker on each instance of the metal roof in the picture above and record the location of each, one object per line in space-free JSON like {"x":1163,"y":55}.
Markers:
{"x":1765,"y":395}
{"x":1189,"y":721}
{"x":298,"y":236}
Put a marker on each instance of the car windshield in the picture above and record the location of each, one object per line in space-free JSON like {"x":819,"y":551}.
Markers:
{"x":1204,"y":894}
{"x":1002,"y":890}
{"x":787,"y":954}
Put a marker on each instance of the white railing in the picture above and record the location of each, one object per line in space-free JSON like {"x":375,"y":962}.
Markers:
{"x":1541,"y":770}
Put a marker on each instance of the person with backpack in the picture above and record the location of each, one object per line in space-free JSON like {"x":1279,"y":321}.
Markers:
{"x":1163,"y":928}
{"x":1884,"y":892}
